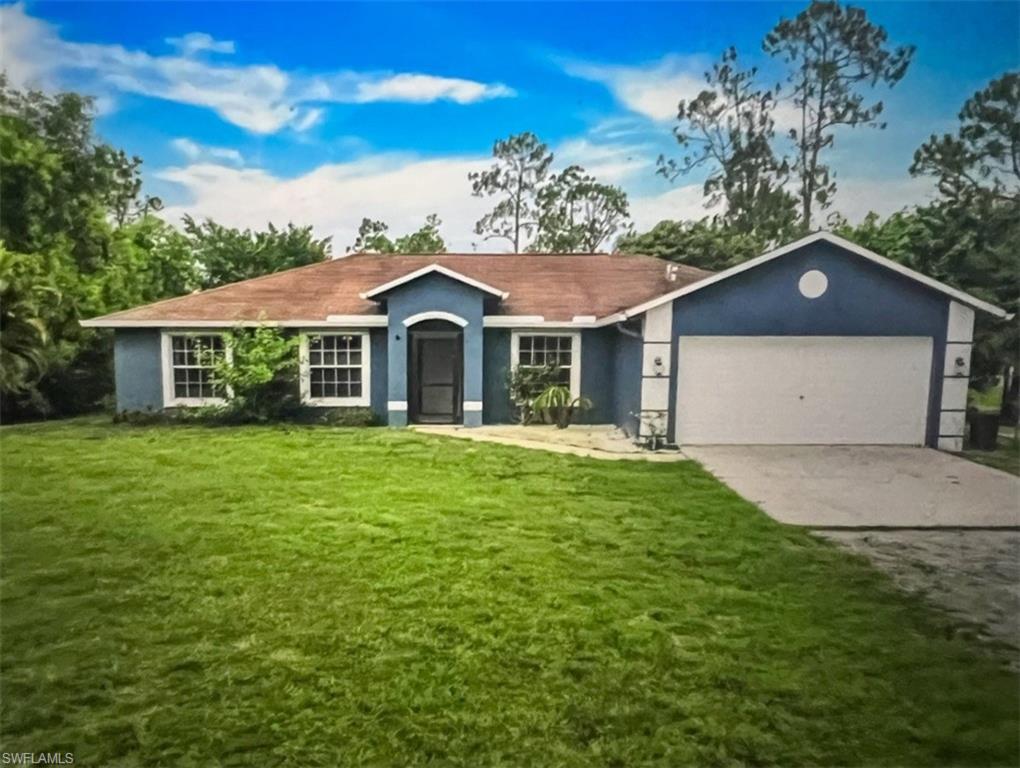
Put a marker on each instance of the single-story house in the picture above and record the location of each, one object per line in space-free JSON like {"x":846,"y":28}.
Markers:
{"x":820,"y":341}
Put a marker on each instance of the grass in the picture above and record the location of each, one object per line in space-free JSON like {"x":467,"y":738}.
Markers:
{"x":319,"y":596}
{"x":1006,"y":455}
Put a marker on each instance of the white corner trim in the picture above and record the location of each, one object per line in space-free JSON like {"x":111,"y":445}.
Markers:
{"x":331,"y":321}
{"x":429,"y":270}
{"x":396,"y":405}
{"x":305,"y":374}
{"x":960,"y":325}
{"x":472,"y":406}
{"x":960,"y":296}
{"x":575,"y":349}
{"x":435,"y":315}
{"x":658,"y":324}
{"x":170,"y":399}
{"x":951,"y":444}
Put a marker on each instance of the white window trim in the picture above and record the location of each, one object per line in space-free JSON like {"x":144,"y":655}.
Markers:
{"x":365,"y":399}
{"x":575,"y":351}
{"x":170,"y":400}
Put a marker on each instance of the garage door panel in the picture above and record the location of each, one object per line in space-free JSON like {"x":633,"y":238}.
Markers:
{"x":803,"y":390}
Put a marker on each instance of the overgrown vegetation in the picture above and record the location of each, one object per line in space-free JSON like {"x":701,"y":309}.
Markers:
{"x":558,"y":405}
{"x":526,"y":382}
{"x":315,"y":596}
{"x":258,"y":375}
{"x":78,"y":239}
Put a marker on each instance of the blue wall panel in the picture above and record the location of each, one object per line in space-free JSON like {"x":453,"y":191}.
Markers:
{"x":862,"y":299}
{"x":496,"y":408}
{"x":377,"y":337}
{"x":433,"y":293}
{"x":626,"y":369}
{"x":597,"y":374}
{"x":138,"y":370}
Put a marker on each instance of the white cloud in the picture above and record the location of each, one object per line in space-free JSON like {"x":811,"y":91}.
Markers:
{"x":427,"y":88}
{"x":652,"y":90}
{"x":685,"y":202}
{"x":856,"y":197}
{"x":196,"y":42}
{"x":610,"y":163}
{"x":333,"y":198}
{"x":259,"y":98}
{"x":400,"y":189}
{"x":26,"y":46}
{"x":193,"y":151}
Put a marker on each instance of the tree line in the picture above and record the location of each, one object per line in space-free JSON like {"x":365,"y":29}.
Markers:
{"x":79,"y":238}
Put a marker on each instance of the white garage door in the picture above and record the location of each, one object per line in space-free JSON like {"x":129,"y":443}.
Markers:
{"x":802,"y":389}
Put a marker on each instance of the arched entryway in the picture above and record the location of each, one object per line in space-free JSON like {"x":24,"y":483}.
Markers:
{"x":435,"y":373}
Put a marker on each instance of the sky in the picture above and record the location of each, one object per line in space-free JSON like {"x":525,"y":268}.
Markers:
{"x":326,"y":113}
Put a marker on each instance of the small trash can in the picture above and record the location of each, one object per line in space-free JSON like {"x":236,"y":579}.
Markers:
{"x":984,"y":429}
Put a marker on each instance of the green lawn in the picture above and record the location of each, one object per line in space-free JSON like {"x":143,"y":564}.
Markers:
{"x":316,"y":596}
{"x":1006,"y":455}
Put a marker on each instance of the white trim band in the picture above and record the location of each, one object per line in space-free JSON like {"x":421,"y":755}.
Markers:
{"x":472,"y":406}
{"x":396,"y":405}
{"x":423,"y":316}
{"x":331,"y":321}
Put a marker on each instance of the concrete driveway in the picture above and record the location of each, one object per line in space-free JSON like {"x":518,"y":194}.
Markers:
{"x":865,"y":486}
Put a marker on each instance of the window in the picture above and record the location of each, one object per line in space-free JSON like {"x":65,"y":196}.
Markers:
{"x":188,"y":373}
{"x":335,"y":369}
{"x":560,"y":349}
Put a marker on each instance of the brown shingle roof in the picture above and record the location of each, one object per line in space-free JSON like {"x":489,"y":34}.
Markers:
{"x":556,"y":286}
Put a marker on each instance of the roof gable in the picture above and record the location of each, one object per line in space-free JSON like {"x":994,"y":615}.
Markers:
{"x":857,"y":250}
{"x":429,"y":270}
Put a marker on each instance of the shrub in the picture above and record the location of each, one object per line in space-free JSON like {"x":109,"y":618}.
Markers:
{"x":556,"y":401}
{"x":525,"y":384}
{"x":258,"y":377}
{"x":341,"y":417}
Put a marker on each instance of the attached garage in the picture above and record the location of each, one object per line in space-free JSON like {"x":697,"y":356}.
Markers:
{"x":818,"y":342}
{"x":806,"y":390}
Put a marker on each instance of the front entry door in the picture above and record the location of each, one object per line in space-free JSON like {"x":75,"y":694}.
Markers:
{"x":436,"y":372}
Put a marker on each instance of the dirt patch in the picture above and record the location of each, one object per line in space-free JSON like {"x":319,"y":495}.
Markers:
{"x":974,"y":575}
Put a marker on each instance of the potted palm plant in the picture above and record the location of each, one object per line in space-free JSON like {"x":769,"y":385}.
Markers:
{"x":557,"y":402}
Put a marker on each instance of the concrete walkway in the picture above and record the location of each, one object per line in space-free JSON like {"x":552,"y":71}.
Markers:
{"x":866,"y":486}
{"x":598,"y":441}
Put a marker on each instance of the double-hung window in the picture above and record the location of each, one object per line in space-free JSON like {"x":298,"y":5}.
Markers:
{"x":189,"y":368}
{"x":335,"y":369}
{"x":538,"y":350}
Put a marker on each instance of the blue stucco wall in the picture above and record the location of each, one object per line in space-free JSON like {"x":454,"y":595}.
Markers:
{"x":380,"y":377}
{"x":862,"y":299}
{"x":495,"y":368}
{"x":597,"y":379}
{"x":599,"y":374}
{"x":137,"y":369}
{"x":434,"y":293}
{"x":626,"y":368}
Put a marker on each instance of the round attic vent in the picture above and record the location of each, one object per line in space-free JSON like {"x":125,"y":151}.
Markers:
{"x":813,"y":284}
